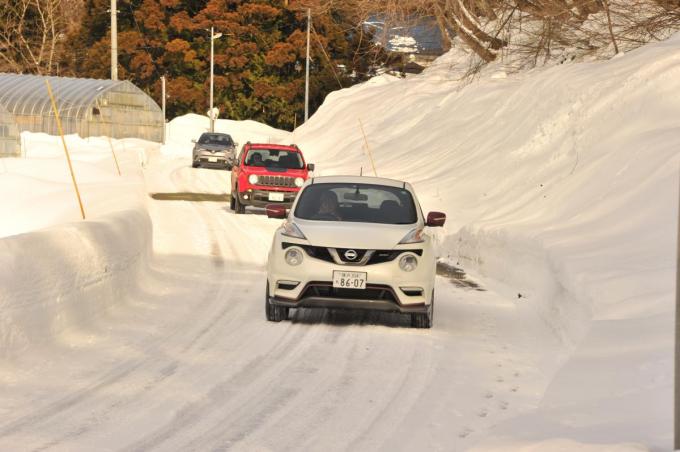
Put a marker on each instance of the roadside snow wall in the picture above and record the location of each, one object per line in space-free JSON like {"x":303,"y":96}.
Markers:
{"x":560,"y":187}
{"x":58,"y":274}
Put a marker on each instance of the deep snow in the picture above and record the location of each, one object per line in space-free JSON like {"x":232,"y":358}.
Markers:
{"x":561,"y":191}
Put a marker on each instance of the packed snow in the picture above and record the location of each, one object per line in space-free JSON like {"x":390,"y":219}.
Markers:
{"x":143,"y":326}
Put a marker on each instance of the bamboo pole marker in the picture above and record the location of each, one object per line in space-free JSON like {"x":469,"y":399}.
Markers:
{"x":368,"y":149}
{"x":115,"y":159}
{"x":63,"y":141}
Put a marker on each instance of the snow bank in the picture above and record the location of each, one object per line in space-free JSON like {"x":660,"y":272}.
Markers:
{"x":42,"y":191}
{"x":55,"y":282}
{"x":60,"y":272}
{"x":561,"y":185}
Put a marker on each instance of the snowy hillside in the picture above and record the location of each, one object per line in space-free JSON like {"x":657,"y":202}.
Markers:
{"x":561,"y":186}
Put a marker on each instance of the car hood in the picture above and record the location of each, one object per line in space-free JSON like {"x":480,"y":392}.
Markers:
{"x":214,"y":147}
{"x":335,"y":234}
{"x":264,"y":171}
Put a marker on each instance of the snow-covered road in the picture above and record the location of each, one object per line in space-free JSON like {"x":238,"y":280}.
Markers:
{"x":188,"y":362}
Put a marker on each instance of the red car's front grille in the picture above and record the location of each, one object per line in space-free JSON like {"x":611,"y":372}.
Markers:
{"x":276,"y":181}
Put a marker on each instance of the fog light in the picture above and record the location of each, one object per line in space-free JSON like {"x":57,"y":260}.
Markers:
{"x":408,"y":262}
{"x":293,"y":256}
{"x":245,"y":196}
{"x":412,"y":291}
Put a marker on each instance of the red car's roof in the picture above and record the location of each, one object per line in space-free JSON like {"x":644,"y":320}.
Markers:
{"x":273,"y":146}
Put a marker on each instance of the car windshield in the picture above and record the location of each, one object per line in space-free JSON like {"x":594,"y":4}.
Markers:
{"x":216,"y":138}
{"x":365,"y":203}
{"x":274,"y":158}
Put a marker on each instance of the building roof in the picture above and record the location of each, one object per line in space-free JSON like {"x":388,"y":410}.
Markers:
{"x":23,"y":94}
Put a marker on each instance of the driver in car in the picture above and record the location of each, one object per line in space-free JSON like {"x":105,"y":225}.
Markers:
{"x":328,"y":207}
{"x":256,"y":159}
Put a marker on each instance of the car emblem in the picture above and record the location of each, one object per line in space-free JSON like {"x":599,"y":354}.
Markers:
{"x":351,"y":255}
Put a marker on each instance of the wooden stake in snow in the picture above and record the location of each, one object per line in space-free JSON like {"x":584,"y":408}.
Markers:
{"x":115,"y":159}
{"x":368,"y":149}
{"x":676,"y":440}
{"x":63,"y":141}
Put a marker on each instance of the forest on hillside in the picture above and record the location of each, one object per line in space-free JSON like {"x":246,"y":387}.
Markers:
{"x":260,"y":58}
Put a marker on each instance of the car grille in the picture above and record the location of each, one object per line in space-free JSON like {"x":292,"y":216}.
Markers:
{"x":371,"y":292}
{"x":324,"y":254}
{"x":276,"y":181}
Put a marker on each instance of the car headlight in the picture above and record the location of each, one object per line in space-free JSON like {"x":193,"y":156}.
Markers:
{"x":414,"y":236}
{"x":299,"y":181}
{"x":253,"y":179}
{"x":408,"y":262}
{"x":290,"y":229}
{"x":293,"y":256}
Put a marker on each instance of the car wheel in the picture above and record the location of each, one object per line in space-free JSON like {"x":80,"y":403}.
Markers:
{"x":424,"y":320}
{"x":238,"y":207}
{"x":194,"y":164}
{"x":274,"y":313}
{"x":232,"y":203}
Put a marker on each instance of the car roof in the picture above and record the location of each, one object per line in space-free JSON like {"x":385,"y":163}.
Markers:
{"x":283,"y":147}
{"x":360,"y":180}
{"x":215,"y":133}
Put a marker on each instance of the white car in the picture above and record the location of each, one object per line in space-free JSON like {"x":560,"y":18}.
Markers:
{"x":353,"y":242}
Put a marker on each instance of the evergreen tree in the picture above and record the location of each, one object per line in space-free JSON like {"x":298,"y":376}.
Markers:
{"x":259,"y":60}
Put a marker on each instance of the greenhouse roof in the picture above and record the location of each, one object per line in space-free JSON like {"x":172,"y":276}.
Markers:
{"x":27,"y":94}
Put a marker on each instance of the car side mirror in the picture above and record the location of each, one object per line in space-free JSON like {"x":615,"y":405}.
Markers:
{"x":275,"y":211}
{"x":310,"y":167}
{"x":193,"y":141}
{"x":435,"y":219}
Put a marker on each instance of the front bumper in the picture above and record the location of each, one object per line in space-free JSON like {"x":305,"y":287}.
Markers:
{"x":354,"y":302}
{"x":209,"y":159}
{"x":260,"y":198}
{"x":388,"y":288}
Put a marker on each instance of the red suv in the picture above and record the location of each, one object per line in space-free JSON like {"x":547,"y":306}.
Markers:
{"x":267,"y":174}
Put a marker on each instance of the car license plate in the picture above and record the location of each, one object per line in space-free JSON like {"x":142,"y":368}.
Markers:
{"x":349,"y":280}
{"x":276,"y":196}
{"x":212,"y":159}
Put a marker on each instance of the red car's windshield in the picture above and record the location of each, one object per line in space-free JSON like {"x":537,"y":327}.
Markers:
{"x":274,"y":158}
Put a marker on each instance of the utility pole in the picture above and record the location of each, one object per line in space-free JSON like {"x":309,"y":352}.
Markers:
{"x":114,"y":41}
{"x":213,"y":36}
{"x":212,"y":51}
{"x":309,"y":26}
{"x":163,"y":106}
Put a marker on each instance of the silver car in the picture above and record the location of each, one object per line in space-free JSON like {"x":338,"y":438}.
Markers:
{"x":214,"y":150}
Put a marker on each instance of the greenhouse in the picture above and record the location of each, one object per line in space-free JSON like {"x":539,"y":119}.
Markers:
{"x":9,"y":134}
{"x":88,"y":107}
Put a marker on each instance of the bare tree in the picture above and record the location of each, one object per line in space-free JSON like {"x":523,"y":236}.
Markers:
{"x":31,"y":35}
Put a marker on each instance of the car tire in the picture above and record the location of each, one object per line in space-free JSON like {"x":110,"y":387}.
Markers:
{"x":238,"y":207}
{"x":424,"y":320}
{"x":232,"y":203}
{"x":194,"y":164}
{"x":274,"y":313}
